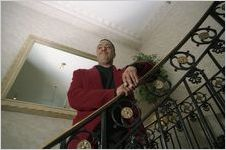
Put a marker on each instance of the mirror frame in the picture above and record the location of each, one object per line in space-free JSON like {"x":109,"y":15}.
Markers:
{"x":12,"y":73}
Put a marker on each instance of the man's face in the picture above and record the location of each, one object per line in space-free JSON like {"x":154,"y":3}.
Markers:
{"x":105,"y":53}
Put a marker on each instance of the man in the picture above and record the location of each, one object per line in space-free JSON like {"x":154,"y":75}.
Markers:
{"x":92,"y":88}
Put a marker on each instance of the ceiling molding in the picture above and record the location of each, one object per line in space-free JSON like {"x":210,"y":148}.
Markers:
{"x":105,"y":30}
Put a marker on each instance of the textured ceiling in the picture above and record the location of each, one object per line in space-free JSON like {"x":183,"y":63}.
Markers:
{"x":126,"y":21}
{"x":129,"y":17}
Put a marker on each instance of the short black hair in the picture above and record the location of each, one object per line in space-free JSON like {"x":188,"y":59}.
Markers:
{"x":109,"y":42}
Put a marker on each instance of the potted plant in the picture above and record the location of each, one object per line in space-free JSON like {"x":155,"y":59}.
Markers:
{"x":158,"y":86}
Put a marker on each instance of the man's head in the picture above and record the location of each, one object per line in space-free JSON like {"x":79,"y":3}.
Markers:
{"x":105,"y":52}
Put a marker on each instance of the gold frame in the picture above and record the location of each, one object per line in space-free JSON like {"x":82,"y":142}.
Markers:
{"x":9,"y":79}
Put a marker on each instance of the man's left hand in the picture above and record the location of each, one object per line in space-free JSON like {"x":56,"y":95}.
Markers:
{"x":130,"y":77}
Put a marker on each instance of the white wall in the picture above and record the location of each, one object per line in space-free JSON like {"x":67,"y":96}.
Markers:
{"x":30,"y":131}
{"x":18,"y":22}
{"x":24,"y":131}
{"x":176,"y":20}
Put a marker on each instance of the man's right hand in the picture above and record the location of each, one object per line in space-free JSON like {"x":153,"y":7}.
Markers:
{"x":124,"y":90}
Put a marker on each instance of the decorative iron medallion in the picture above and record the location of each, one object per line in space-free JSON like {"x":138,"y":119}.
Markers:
{"x":204,"y":35}
{"x":182,"y":60}
{"x":164,"y":124}
{"x":200,"y":97}
{"x":158,"y":84}
{"x":127,"y":113}
{"x":218,"y":82}
{"x":84,"y":144}
{"x":173,"y":117}
{"x":159,"y":87}
{"x":186,"y":107}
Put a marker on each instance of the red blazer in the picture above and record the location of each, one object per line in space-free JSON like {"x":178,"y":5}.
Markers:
{"x":86,"y":94}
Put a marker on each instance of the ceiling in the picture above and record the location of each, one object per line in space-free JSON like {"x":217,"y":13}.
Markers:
{"x":126,"y":21}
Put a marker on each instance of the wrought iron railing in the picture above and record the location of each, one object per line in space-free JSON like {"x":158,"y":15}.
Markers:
{"x":190,"y":111}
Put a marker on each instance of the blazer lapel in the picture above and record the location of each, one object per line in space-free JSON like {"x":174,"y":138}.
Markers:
{"x":117,"y":76}
{"x":95,"y":78}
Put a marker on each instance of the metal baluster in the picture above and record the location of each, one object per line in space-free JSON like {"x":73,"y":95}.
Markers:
{"x":203,"y":121}
{"x":172,"y":141}
{"x":177,"y":137}
{"x":204,"y":132}
{"x":162,"y":138}
{"x":103,"y":130}
{"x":215,"y":61}
{"x":188,"y":138}
{"x":193,"y":133}
{"x":213,"y":93}
{"x":221,"y":124}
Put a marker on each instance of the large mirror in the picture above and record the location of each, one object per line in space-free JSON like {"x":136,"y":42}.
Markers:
{"x":44,"y":73}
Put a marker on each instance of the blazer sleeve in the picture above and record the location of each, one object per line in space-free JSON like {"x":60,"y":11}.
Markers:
{"x":142,"y":67}
{"x":83,"y":99}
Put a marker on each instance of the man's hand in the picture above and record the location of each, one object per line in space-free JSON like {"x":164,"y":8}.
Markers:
{"x":130,"y":77}
{"x":123,"y":90}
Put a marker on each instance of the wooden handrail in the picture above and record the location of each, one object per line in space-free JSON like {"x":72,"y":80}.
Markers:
{"x":81,"y":123}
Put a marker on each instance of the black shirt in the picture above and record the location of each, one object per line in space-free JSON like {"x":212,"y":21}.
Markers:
{"x":106,"y":77}
{"x":113,"y":131}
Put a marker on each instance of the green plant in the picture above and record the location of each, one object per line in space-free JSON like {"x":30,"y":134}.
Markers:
{"x":142,"y":92}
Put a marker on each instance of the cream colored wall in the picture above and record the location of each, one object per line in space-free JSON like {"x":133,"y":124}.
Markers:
{"x":177,"y":20}
{"x":18,"y":22}
{"x":31,"y":131}
{"x":24,"y":131}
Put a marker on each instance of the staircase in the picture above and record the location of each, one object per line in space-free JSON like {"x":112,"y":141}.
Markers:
{"x":190,"y":111}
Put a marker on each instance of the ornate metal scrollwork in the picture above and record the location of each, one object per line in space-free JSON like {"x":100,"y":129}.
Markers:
{"x":194,"y":76}
{"x":167,"y":107}
{"x":220,"y":9}
{"x":173,"y":117}
{"x":218,"y":82}
{"x":204,"y":35}
{"x":179,"y":126}
{"x":159,"y":87}
{"x":166,"y":135}
{"x":186,"y":107}
{"x":205,"y":106}
{"x":200,"y":97}
{"x":125,"y":113}
{"x":193,"y":117}
{"x":84,"y":144}
{"x":182,"y":60}
{"x":133,"y":144}
{"x":164,"y":123}
{"x":151,"y":134}
{"x":218,"y":47}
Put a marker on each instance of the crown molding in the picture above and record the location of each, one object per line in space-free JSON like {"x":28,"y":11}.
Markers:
{"x":102,"y":28}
